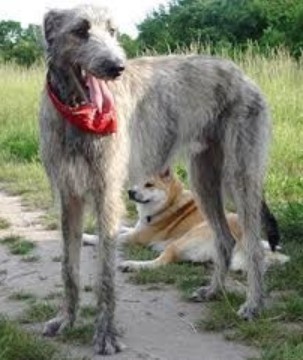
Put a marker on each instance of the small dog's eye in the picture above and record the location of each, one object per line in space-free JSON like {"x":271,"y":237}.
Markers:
{"x":81,"y":30}
{"x":148,"y":185}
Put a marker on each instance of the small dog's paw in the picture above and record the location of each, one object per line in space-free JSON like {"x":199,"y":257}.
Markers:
{"x":204,"y":293}
{"x":56,"y":326}
{"x":107,"y":344}
{"x":126,"y":266}
{"x":248,"y":312}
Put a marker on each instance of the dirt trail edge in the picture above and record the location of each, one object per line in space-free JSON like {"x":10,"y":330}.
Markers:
{"x":157,"y":324}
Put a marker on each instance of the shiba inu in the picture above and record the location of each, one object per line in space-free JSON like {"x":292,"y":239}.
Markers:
{"x":171,"y":222}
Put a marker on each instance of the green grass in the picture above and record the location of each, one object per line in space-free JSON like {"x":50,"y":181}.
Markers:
{"x":4,"y":224}
{"x":281,"y":79}
{"x":184,"y":276}
{"x":88,"y":311}
{"x":16,"y":344}
{"x":18,"y":245}
{"x":38,"y":312}
{"x":22,"y":296}
{"x":81,"y":334}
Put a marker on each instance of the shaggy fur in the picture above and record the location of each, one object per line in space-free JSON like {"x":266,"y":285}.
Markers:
{"x":202,"y":105}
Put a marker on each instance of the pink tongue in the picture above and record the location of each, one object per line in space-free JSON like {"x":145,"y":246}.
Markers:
{"x":100,"y":94}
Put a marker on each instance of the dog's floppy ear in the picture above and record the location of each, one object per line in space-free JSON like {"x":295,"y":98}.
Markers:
{"x":166,"y":174}
{"x":52,"y":22}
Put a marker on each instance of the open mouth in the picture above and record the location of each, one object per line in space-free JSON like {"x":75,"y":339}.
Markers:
{"x":132,"y":196}
{"x":141,"y":201}
{"x":93,"y":90}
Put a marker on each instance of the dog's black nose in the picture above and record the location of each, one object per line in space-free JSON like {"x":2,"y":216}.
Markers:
{"x":131,"y":194}
{"x":115,"y":70}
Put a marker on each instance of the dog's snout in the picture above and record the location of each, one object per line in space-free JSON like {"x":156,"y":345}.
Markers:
{"x":131,"y":194}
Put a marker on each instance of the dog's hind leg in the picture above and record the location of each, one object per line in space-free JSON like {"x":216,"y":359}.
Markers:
{"x":206,"y":179}
{"x":248,"y":197}
{"x":108,"y":202}
{"x":71,"y":216}
{"x":249,"y":169}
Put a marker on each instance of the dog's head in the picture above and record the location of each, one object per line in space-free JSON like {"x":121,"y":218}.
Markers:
{"x":84,"y":40}
{"x":154,"y":194}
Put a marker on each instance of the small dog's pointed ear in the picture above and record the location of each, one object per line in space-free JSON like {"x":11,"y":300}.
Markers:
{"x":166,"y":174}
{"x":52,"y":22}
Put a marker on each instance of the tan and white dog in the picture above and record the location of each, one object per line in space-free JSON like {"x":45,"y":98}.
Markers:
{"x":170,"y":222}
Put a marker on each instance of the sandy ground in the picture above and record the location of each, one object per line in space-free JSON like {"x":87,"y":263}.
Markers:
{"x":156,"y":324}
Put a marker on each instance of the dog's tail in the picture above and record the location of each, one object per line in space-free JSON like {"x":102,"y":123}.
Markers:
{"x":270,"y":226}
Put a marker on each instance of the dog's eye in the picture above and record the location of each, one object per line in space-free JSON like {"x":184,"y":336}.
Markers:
{"x":81,"y":30}
{"x":148,"y":185}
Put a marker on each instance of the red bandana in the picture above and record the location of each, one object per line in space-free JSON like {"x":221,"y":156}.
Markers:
{"x":87,"y":117}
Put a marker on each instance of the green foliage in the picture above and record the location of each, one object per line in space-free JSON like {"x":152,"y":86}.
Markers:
{"x":235,"y":23}
{"x":16,"y":344}
{"x":23,"y":46}
{"x":17,"y":245}
{"x":129,"y":45}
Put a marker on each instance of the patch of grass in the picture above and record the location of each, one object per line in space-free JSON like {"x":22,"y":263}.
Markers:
{"x":22,"y":247}
{"x":30,"y":258}
{"x":289,"y":350}
{"x":88,"y":311}
{"x":16,"y":344}
{"x":4,"y":224}
{"x":18,"y":245}
{"x":268,"y":331}
{"x":11,"y":239}
{"x":27,"y":180}
{"x":185,"y":276}
{"x":38,"y":312}
{"x":22,"y":296}
{"x":81,"y":334}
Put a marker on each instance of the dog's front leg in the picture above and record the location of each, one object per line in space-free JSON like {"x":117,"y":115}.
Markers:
{"x":72,"y":217}
{"x":107,"y":206}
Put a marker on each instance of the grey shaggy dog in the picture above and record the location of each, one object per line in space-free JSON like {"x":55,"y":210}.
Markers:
{"x":201,"y":105}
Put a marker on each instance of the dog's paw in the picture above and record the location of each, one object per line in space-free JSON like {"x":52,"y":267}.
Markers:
{"x":248,"y":312}
{"x":106,"y":343}
{"x":126,"y":266}
{"x":204,"y":293}
{"x":56,"y":326}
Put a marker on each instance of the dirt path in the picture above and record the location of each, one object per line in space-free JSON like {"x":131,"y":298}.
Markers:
{"x":157,"y":324}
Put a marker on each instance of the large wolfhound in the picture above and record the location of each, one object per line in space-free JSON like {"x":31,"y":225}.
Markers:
{"x":102,"y":116}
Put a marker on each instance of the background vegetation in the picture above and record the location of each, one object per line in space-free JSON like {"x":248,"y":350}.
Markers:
{"x":228,"y":24}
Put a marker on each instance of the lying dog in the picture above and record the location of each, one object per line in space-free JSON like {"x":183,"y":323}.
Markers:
{"x":170,"y":222}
